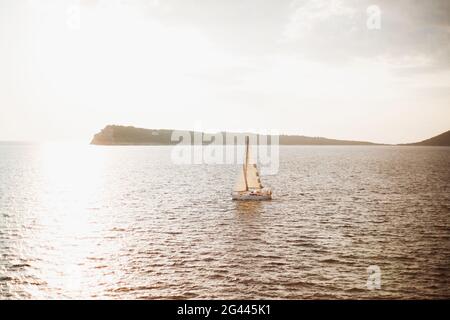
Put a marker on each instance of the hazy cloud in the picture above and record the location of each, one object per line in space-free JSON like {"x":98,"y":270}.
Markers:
{"x":303,"y":66}
{"x":335,"y":30}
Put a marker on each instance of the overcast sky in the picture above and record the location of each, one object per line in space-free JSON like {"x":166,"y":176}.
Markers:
{"x":317,"y":68}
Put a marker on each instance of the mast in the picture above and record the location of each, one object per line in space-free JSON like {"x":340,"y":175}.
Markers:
{"x":246,"y":162}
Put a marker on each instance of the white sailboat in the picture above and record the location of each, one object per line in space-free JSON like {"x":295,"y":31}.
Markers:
{"x":248,"y":185}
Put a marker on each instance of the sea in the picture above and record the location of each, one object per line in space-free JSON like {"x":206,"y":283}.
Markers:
{"x":126,"y":222}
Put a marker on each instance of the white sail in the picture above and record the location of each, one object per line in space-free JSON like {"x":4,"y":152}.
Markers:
{"x":240,"y":182}
{"x":253,"y":180}
{"x":248,"y":185}
{"x":248,"y":177}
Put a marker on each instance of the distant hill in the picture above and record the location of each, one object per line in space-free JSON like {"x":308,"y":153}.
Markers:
{"x":440,"y":140}
{"x":122,"y":135}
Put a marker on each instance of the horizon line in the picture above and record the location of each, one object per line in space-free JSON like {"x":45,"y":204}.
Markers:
{"x":82,"y":141}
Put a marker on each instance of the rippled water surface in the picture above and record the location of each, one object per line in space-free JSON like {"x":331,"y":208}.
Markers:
{"x":124,"y":222}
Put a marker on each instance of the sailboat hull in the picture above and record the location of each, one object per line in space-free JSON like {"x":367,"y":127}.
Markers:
{"x":252,"y":196}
